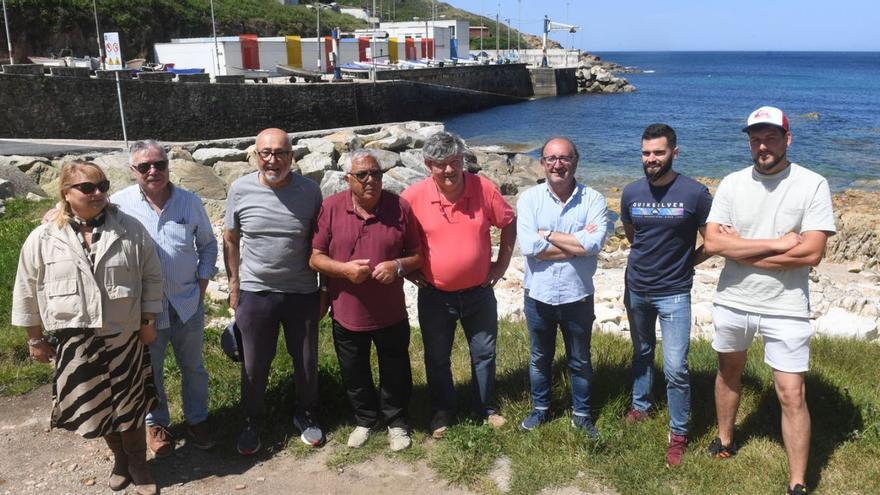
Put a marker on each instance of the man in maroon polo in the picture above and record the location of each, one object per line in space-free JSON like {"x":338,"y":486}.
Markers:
{"x":365,"y":241}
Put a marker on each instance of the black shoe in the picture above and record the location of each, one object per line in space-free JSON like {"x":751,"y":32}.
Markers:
{"x":249,"y":439}
{"x":798,"y":489}
{"x":720,"y":451}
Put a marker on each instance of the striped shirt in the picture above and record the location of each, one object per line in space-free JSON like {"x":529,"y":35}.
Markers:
{"x":185,"y":244}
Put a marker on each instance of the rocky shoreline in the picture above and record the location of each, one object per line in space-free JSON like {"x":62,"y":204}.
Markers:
{"x":845,"y":288}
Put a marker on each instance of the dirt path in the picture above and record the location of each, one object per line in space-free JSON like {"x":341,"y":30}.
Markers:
{"x":35,"y":460}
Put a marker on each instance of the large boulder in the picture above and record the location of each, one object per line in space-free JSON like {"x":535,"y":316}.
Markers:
{"x":430,"y":130}
{"x":415,"y":160}
{"x":314,"y":165}
{"x":403,"y":175}
{"x":414,"y":139}
{"x":197,"y":178}
{"x":838,"y":322}
{"x":374,"y":136}
{"x":19,"y":183}
{"x":215,"y":209}
{"x":319,"y":145}
{"x":393,"y":142}
{"x":387,"y":159}
{"x":391,"y":183}
{"x":22,"y":162}
{"x":210,"y":156}
{"x":345,"y":141}
{"x":333,"y":182}
{"x":6,"y":189}
{"x":300,"y":150}
{"x":230,"y":171}
{"x":43,"y":172}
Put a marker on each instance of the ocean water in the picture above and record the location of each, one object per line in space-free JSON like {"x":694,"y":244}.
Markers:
{"x":832,"y":100}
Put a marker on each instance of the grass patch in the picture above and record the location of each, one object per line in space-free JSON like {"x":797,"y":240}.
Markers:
{"x":842,"y":390}
{"x":18,"y":374}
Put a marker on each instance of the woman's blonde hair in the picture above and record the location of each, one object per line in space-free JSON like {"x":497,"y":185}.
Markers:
{"x":69,"y":171}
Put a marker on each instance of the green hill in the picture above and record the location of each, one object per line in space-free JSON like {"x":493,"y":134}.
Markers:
{"x":41,"y":27}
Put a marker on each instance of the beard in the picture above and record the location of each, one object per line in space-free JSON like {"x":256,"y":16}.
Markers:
{"x":762,"y":168}
{"x":665,"y":167}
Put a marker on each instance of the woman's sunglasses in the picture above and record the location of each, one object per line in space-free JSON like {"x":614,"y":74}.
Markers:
{"x":90,"y":187}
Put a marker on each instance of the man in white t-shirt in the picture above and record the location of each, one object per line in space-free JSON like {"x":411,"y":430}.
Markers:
{"x":771,"y":222}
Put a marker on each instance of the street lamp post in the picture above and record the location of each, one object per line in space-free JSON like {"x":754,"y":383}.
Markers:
{"x":216,"y":46}
{"x":98,"y":35}
{"x":498,"y":33}
{"x":8,"y":38}
{"x":508,"y":36}
{"x":318,"y":33}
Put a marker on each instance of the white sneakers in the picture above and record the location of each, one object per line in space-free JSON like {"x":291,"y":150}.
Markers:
{"x":398,"y":439}
{"x":358,"y":437}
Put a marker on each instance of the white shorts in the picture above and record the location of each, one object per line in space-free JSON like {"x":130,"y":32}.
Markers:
{"x":786,"y":338}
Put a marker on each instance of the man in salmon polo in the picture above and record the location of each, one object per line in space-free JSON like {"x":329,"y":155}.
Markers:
{"x":771,"y":221}
{"x":455,"y":210}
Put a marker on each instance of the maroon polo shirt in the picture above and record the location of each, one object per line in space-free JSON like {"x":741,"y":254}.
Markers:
{"x":346,"y":236}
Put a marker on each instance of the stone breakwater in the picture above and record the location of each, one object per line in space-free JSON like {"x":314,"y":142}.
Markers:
{"x":845,"y":288}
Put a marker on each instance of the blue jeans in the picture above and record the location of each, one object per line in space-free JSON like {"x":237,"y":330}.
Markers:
{"x":674,"y":312}
{"x":575,"y":320}
{"x":187,"y":341}
{"x":439,"y":311}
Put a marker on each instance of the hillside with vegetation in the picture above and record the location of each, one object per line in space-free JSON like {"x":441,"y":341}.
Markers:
{"x":44,"y":27}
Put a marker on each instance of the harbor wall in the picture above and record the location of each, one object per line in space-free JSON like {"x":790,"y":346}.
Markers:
{"x":508,"y":79}
{"x":61,"y":107}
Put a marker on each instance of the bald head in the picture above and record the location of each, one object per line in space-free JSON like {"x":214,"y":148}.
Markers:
{"x":274,"y":157}
{"x":272,"y":138}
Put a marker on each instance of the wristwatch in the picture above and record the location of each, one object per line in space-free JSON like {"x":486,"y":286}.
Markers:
{"x":35,"y":342}
{"x":146,"y":322}
{"x":400,"y":271}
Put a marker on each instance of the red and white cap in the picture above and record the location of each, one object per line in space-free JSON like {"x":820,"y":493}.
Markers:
{"x":767,"y":115}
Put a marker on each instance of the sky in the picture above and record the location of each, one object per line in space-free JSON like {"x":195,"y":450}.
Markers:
{"x":685,"y":25}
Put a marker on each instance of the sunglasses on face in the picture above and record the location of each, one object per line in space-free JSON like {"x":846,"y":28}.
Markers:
{"x":90,"y":187}
{"x":146,"y":166}
{"x":362,"y":175}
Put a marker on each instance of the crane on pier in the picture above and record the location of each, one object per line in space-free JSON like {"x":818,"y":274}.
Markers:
{"x":553,"y":26}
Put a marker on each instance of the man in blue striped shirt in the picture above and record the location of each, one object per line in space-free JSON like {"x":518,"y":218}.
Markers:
{"x":187,"y":248}
{"x":561,"y":229}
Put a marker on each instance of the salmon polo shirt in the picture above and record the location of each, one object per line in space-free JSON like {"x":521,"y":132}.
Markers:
{"x":344,"y":235}
{"x":455,"y":236}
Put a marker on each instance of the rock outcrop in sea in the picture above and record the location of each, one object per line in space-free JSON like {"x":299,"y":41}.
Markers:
{"x":845,"y":288}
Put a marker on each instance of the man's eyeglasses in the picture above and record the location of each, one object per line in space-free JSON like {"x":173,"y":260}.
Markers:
{"x":90,"y":187}
{"x":362,"y":175}
{"x":145,"y":167}
{"x":280,"y":154}
{"x":552,"y":159}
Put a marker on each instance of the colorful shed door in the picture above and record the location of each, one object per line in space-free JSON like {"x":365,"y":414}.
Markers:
{"x":250,"y":51}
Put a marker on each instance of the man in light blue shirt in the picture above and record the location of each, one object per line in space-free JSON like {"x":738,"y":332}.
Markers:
{"x":187,"y":248}
{"x":561,"y":228}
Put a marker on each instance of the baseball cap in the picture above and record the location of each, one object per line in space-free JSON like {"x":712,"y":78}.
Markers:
{"x":767,"y":115}
{"x":230,"y":342}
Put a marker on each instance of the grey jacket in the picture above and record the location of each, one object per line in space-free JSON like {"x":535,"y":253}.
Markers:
{"x":56,"y":288}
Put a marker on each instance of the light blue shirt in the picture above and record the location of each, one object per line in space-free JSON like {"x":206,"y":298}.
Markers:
{"x":185,"y":244}
{"x":562,"y":281}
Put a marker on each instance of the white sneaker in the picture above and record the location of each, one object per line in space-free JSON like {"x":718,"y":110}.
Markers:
{"x":398,"y":439}
{"x":358,"y":437}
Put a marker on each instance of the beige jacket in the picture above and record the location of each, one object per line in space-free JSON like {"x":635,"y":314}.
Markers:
{"x":56,"y":288}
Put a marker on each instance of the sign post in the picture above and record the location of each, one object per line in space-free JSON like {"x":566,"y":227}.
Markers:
{"x":112,"y":51}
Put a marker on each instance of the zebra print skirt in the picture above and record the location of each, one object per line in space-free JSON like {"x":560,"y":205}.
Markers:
{"x":102,"y":384}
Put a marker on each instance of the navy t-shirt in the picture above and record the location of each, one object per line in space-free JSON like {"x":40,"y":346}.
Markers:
{"x":665,"y":220}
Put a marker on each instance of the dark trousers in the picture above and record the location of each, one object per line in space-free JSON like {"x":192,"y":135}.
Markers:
{"x":395,"y":374}
{"x":258,"y":316}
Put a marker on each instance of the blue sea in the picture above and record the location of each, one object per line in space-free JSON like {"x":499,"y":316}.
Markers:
{"x":832,"y":100}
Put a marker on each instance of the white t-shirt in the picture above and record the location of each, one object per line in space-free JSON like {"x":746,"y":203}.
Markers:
{"x":767,"y":207}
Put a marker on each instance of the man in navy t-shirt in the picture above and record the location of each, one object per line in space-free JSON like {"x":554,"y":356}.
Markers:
{"x":661,"y":215}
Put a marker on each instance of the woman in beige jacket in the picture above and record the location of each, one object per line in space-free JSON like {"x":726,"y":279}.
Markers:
{"x":87,"y":289}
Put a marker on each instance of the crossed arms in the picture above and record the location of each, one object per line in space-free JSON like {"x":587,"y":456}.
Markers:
{"x":792,"y":250}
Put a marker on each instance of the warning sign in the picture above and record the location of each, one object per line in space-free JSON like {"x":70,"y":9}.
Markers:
{"x":112,"y":51}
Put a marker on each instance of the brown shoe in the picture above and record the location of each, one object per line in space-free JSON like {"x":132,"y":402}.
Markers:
{"x":200,"y":436}
{"x":635,"y":416}
{"x":134,"y":444}
{"x":677,"y":446}
{"x":439,"y":424}
{"x":160,"y":440}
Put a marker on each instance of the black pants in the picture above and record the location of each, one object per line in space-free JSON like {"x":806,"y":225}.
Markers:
{"x":258,"y":316}
{"x":395,"y":374}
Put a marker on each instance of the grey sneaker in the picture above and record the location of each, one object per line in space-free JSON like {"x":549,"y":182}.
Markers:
{"x":310,"y":430}
{"x":398,"y":438}
{"x":585,"y":424}
{"x":249,"y":438}
{"x":358,"y":437}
